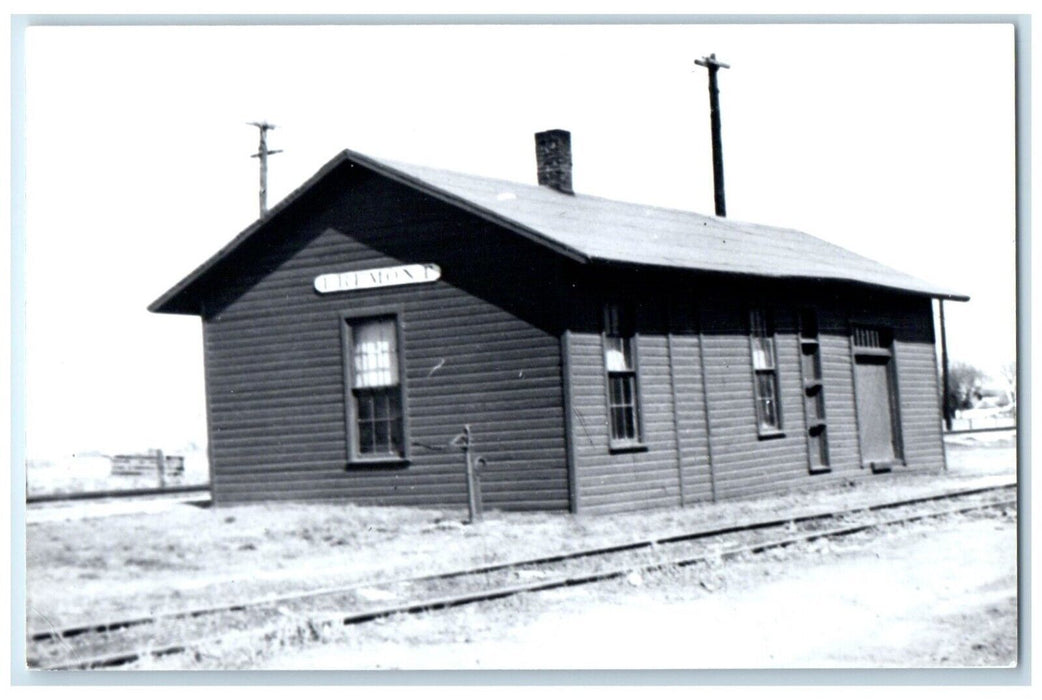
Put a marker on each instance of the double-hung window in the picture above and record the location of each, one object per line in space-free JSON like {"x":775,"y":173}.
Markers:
{"x":765,"y":372}
{"x":375,"y":420}
{"x":621,"y":369}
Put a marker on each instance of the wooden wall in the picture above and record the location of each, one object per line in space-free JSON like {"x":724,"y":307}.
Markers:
{"x":488,"y":356}
{"x":918,"y":386}
{"x":706,"y":332}
{"x":484,"y":346}
{"x":673,"y":469}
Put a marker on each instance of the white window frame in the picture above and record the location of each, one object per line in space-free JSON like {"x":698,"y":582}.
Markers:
{"x":388,"y":380}
{"x":764,"y":362}
{"x":621,"y":368}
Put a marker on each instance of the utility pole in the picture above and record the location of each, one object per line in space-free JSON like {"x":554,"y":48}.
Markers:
{"x":263,"y":153}
{"x":713,"y":66}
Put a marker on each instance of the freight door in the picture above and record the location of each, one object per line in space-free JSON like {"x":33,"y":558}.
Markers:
{"x":877,"y":419}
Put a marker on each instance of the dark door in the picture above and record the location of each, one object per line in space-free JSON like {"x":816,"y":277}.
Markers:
{"x":875,"y":413}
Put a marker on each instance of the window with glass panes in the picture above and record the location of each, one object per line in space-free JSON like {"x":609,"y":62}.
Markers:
{"x":620,"y":366}
{"x":765,"y":372}
{"x":376,"y":396}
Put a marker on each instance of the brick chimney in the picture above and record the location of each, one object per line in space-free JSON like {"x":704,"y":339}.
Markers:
{"x":553,"y":156}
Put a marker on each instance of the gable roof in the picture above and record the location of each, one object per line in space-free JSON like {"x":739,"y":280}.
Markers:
{"x":596,"y":230}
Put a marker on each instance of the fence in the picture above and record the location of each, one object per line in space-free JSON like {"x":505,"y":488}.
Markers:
{"x":140,"y":465}
{"x":983,"y":419}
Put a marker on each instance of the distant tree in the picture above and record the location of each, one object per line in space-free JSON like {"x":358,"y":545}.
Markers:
{"x":964,"y":381}
{"x":1008,"y":372}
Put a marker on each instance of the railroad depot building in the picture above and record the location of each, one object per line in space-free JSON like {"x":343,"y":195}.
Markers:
{"x":607,"y":356}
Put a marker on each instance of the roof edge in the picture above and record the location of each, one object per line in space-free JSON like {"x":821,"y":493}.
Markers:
{"x":932,"y":293}
{"x":173,"y":300}
{"x":393,"y":173}
{"x":164,"y":304}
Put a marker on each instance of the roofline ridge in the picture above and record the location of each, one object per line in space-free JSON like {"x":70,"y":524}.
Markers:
{"x":399,"y":172}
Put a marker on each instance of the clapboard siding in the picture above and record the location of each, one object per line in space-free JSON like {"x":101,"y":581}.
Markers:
{"x":691,"y":459}
{"x":691,"y":440}
{"x":914,"y":357}
{"x":624,"y":480}
{"x":741,"y":458}
{"x":918,"y":388}
{"x":480,"y":347}
{"x":672,"y":467}
{"x":838,"y":386}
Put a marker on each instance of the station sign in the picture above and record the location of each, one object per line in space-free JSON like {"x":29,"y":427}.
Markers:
{"x":377,"y":277}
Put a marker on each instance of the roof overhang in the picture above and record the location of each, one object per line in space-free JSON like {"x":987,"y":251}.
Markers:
{"x":185,"y":297}
{"x":172,"y":301}
{"x":933,"y":294}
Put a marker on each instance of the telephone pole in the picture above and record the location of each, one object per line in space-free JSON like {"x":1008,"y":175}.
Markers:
{"x":713,"y":66}
{"x":263,"y":153}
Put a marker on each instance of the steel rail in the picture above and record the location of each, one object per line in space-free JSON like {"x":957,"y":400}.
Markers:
{"x":110,"y":626}
{"x":116,"y":494}
{"x":445,"y":602}
{"x":124,"y":657}
{"x":618,"y":572}
{"x":989,"y":429}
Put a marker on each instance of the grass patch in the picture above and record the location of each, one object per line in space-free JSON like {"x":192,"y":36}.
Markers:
{"x":127,"y":565}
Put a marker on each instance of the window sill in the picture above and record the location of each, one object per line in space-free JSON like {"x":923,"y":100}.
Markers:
{"x":376,"y":462}
{"x":619,"y":447}
{"x":771,"y":434}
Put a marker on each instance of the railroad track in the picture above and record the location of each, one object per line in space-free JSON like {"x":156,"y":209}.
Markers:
{"x":114,"y":643}
{"x":116,"y":494}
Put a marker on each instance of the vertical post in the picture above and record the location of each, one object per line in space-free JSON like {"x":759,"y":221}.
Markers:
{"x":714,"y":66}
{"x":263,"y":153}
{"x":472,"y":485}
{"x":671,"y":359}
{"x":945,"y":399}
{"x":161,"y":468}
{"x":705,"y":400}
{"x":570,"y":435}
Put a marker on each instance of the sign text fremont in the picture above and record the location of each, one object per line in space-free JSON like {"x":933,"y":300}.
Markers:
{"x":377,"y":277}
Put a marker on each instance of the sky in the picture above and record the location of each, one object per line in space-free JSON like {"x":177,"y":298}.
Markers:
{"x":894,"y":141}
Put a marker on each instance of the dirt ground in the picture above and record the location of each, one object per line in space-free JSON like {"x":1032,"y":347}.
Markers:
{"x":174,"y":555}
{"x":93,"y":562}
{"x":940,"y":595}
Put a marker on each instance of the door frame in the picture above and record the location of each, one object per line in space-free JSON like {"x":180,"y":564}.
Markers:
{"x":889,"y":352}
